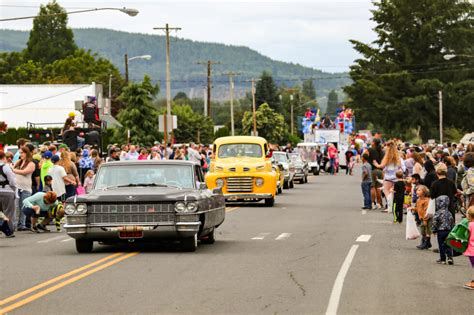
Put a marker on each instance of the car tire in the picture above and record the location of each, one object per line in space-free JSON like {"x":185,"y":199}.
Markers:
{"x":209,"y":238}
{"x":84,"y":246}
{"x":292,"y":184}
{"x":280,"y":190}
{"x":316,"y":172}
{"x":286,"y":185}
{"x":189,"y":244}
{"x":270,"y":202}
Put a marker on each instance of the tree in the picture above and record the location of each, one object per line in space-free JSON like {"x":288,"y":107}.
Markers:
{"x":192,"y":127}
{"x":50,"y":39}
{"x":181,"y":96}
{"x":270,"y":124}
{"x":267,"y":92}
{"x":309,"y":90}
{"x":332,"y":102}
{"x":396,"y":82}
{"x":139,"y":115}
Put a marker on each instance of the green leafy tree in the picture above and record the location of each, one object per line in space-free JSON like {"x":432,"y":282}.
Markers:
{"x":270,"y":124}
{"x":332,"y":102}
{"x":50,"y":39}
{"x":192,"y":127}
{"x":396,"y":82}
{"x":309,"y":90}
{"x":267,"y":92}
{"x":139,"y":115}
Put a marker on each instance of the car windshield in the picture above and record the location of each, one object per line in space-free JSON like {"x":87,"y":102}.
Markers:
{"x":296,"y":158}
{"x":240,"y":150}
{"x":279,"y":157}
{"x":180,"y":176}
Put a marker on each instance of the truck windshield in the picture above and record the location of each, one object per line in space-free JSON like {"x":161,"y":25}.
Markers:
{"x":280,"y":157}
{"x":240,"y":150}
{"x":146,"y":175}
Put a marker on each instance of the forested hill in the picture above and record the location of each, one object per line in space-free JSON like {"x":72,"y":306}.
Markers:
{"x":187,"y":75}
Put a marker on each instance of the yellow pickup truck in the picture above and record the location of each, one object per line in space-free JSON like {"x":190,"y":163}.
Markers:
{"x":241,"y":168}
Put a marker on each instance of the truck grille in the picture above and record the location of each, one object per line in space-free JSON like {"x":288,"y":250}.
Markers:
{"x":240,"y":184}
{"x":130,"y":213}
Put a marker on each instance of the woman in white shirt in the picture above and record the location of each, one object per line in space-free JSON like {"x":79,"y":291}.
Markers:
{"x":23,"y":169}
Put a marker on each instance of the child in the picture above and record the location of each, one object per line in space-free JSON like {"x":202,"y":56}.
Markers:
{"x":88,"y":181}
{"x":398,"y":198}
{"x":443,"y":223}
{"x":366,"y":181}
{"x":4,"y":226}
{"x":469,"y":253}
{"x":422,"y":202}
{"x":48,"y":183}
{"x":415,"y":183}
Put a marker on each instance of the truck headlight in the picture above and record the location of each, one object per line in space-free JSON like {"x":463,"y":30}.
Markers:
{"x":191,"y":207}
{"x":259,"y":182}
{"x":180,"y":206}
{"x":81,"y":208}
{"x":70,"y":209}
{"x":220,"y":182}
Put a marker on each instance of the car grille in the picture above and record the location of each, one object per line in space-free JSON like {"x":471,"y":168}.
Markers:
{"x":130,"y":213}
{"x":239,"y":184}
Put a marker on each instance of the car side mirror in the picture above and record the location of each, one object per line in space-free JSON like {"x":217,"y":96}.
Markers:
{"x":217,"y":191}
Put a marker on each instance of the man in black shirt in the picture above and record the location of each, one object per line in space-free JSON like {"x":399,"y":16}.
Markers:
{"x":443,"y":186}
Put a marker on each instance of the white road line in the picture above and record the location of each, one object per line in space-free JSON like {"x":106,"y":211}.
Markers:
{"x":51,"y":239}
{"x":339,"y":283}
{"x":260,"y":236}
{"x":67,"y":240}
{"x":363,"y":238}
{"x":364,"y":211}
{"x":283,"y":236}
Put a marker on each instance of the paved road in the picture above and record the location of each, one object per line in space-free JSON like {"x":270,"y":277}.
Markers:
{"x":290,"y":259}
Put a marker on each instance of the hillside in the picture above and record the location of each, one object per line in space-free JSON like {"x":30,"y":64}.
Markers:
{"x":187,"y":75}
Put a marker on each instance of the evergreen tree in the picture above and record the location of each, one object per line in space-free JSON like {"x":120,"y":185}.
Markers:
{"x":267,"y":92}
{"x":309,"y":90}
{"x":396,"y":82}
{"x":332,"y":102}
{"x":139,"y":115}
{"x":50,"y":39}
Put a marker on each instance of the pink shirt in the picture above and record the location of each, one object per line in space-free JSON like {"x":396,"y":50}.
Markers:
{"x":470,"y":247}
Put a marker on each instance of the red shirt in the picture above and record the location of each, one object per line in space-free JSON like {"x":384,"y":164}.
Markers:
{"x":332,"y":152}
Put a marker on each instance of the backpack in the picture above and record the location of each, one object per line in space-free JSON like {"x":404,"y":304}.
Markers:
{"x":89,"y":112}
{"x":458,"y":238}
{"x":4,"y":182}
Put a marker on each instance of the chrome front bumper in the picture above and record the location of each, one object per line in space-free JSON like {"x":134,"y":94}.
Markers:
{"x":161,"y":230}
{"x":230,"y":197}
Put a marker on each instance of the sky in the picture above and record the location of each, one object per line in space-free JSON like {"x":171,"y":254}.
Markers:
{"x":313,"y":33}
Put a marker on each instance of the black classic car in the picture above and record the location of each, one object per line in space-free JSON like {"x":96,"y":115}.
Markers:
{"x":146,"y":201}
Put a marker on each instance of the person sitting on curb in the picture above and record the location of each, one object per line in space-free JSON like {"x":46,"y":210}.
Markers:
{"x":39,"y":205}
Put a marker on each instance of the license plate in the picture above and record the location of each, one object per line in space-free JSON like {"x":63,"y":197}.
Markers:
{"x":131,"y":234}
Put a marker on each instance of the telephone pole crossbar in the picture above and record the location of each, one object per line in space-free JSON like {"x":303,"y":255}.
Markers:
{"x":167,"y":30}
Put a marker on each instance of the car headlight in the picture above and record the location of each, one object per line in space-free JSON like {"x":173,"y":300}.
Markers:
{"x":81,"y":208}
{"x":220,"y":182}
{"x":70,"y":209}
{"x":259,"y":182}
{"x":191,"y":207}
{"x":180,"y":206}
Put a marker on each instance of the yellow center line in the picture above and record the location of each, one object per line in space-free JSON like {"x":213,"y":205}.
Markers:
{"x":58,"y":286}
{"x":230,"y":209}
{"x":51,"y":281}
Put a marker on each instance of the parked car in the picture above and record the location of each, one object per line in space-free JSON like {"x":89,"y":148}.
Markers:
{"x":242,"y":169}
{"x":146,"y":201}
{"x":278,"y":168}
{"x":288,"y":168}
{"x":301,"y":168}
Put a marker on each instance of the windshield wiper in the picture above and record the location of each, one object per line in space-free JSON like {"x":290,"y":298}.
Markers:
{"x":142,"y":185}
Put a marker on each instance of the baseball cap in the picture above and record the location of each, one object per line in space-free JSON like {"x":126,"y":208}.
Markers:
{"x":48,"y":155}
{"x":55,"y":159}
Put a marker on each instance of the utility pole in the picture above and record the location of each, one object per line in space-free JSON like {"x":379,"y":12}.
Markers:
{"x":168,"y":80}
{"x":209,"y":64}
{"x":254,"y":114}
{"x":290,"y":90}
{"x":231,"y":81}
{"x":110,"y":87}
{"x":440,"y":99}
{"x":126,"y":69}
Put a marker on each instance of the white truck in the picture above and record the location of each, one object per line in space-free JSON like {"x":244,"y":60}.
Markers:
{"x":324,"y":136}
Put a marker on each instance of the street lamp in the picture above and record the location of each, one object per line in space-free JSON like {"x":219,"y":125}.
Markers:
{"x":128,"y":11}
{"x":145,"y":57}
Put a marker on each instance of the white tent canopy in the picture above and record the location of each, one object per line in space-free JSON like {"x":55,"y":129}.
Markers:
{"x":45,"y":103}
